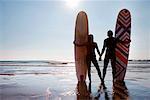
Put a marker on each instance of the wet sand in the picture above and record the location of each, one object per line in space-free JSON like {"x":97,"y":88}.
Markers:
{"x":58,"y":82}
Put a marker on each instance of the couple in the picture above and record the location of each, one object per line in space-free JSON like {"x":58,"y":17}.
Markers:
{"x":109,"y":45}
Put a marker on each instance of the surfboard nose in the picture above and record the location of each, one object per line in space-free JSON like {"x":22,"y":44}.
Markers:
{"x":125,"y":10}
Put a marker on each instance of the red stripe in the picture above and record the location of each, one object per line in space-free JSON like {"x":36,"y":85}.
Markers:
{"x":125,"y":34}
{"x":125,"y":14}
{"x":118,"y":67}
{"x":124,"y":37}
{"x":119,"y":32}
{"x":124,"y":19}
{"x":125,"y":57}
{"x":121,"y":57}
{"x":126,"y":24}
{"x":123,"y":48}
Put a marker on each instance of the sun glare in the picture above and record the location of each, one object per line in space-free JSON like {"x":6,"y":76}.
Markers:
{"x":72,"y":3}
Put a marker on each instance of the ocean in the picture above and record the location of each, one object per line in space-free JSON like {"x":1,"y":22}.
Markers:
{"x":56,"y":80}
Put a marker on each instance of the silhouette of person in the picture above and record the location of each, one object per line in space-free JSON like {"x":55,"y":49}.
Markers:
{"x":91,"y":56}
{"x":110,"y":45}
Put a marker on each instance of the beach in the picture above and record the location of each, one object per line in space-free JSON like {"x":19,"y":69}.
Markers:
{"x":52,"y":80}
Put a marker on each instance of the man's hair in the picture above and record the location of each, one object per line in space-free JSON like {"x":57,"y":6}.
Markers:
{"x":109,"y":33}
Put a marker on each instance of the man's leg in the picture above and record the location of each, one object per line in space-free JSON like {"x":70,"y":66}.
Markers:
{"x":106,"y":61}
{"x":94,"y":61}
{"x":113,"y":67}
{"x":89,"y":68}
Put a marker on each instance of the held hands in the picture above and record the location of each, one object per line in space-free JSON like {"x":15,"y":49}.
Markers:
{"x":100,"y":58}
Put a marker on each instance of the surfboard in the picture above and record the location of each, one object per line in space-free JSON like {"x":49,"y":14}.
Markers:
{"x":80,"y":52}
{"x":123,"y":33}
{"x":120,"y":91}
{"x":82,"y":91}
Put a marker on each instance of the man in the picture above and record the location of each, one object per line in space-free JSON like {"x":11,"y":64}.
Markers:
{"x":91,"y":56}
{"x":110,"y":45}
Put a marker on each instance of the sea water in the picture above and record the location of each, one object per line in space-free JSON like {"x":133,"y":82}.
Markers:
{"x":56,"y":80}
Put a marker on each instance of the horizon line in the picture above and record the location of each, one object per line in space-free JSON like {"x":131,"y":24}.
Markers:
{"x":62,"y":60}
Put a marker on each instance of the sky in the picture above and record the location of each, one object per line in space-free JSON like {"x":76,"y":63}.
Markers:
{"x":44,"y":30}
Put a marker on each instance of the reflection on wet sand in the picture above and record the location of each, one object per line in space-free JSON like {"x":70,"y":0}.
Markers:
{"x":120,"y":91}
{"x":105,"y":92}
{"x":82,"y":92}
{"x":102,"y":91}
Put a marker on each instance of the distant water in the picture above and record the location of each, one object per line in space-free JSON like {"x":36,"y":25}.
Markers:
{"x":32,"y":63}
{"x":60,"y":63}
{"x":30,"y":67}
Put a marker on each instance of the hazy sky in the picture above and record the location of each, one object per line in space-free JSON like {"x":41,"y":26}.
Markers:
{"x":36,"y":29}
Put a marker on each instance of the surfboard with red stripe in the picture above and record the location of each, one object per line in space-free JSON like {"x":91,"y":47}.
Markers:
{"x":120,"y":91}
{"x":123,"y":33}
